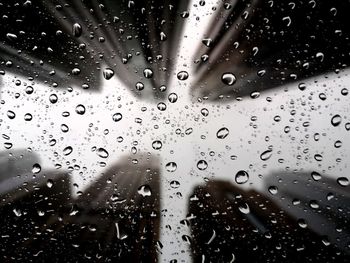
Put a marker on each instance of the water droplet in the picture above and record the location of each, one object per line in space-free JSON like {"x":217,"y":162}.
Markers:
{"x":316,"y":176}
{"x":117,"y":116}
{"x":157,"y":145}
{"x":161,"y":106}
{"x":302,"y":223}
{"x":144,"y":190}
{"x":302,"y":86}
{"x":273,"y":190}
{"x":68,"y":150}
{"x":318,"y":157}
{"x":77,"y":30}
{"x":172,"y":97}
{"x":101,"y":152}
{"x":205,"y":112}
{"x":139,"y":86}
{"x":75,"y":71}
{"x":64,"y":128}
{"x":11,"y":115}
{"x":182,"y":75}
{"x":108,"y":73}
{"x":36,"y":168}
{"x":228,"y":78}
{"x":174,"y":184}
{"x":171,"y":167}
{"x":244,"y":208}
{"x":241,"y":177}
{"x":148,"y":73}
{"x":266,"y":155}
{"x":80,"y":109}
{"x":49,"y":183}
{"x":29,"y":90}
{"x":336,"y":120}
{"x":53,"y":98}
{"x":202,"y":165}
{"x":207,"y":42}
{"x":343,"y":181}
{"x":28,"y":117}
{"x":222,"y":133}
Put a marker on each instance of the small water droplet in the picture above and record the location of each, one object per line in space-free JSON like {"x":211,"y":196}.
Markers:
{"x":172,"y":97}
{"x":273,"y":190}
{"x":316,"y":176}
{"x":49,"y":183}
{"x":174,"y":184}
{"x":161,"y":106}
{"x":205,"y":112}
{"x":11,"y":115}
{"x":241,"y":177}
{"x":28,"y":117}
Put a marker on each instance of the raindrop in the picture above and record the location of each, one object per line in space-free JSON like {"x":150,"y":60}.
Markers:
{"x":117,"y":116}
{"x":29,"y":90}
{"x":77,"y":30}
{"x":36,"y":168}
{"x":222,"y":133}
{"x":182,"y":75}
{"x":171,"y":167}
{"x":318,"y":157}
{"x":144,"y":190}
{"x":53,"y":98}
{"x":139,"y":86}
{"x":68,"y":150}
{"x":28,"y":117}
{"x":80,"y":109}
{"x":228,"y":79}
{"x":157,"y":145}
{"x":273,"y":190}
{"x":11,"y":115}
{"x":161,"y":106}
{"x":108,"y":73}
{"x":207,"y":42}
{"x":202,"y":165}
{"x":148,"y":73}
{"x":302,"y":223}
{"x":172,"y":97}
{"x":174,"y":184}
{"x":244,"y":208}
{"x":205,"y":112}
{"x":266,"y":155}
{"x":101,"y":152}
{"x":316,"y":176}
{"x":302,"y":86}
{"x":49,"y":183}
{"x":343,"y":181}
{"x":241,"y":177}
{"x":336,"y":120}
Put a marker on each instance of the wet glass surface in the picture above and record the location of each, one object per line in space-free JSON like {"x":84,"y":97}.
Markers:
{"x":174,"y":131}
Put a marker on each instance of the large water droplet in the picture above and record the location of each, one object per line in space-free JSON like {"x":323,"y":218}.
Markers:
{"x":36,"y":168}
{"x":157,"y":145}
{"x":108,"y":73}
{"x":241,"y":177}
{"x":266,"y":155}
{"x":53,"y":98}
{"x":222,"y":133}
{"x":80,"y":109}
{"x":174,"y":184}
{"x":117,"y":116}
{"x":77,"y":30}
{"x":336,"y":120}
{"x":316,"y":176}
{"x":148,"y":73}
{"x":144,"y":190}
{"x":343,"y":181}
{"x":171,"y":167}
{"x":68,"y":150}
{"x":11,"y":115}
{"x":202,"y":165}
{"x":101,"y":152}
{"x":182,"y":75}
{"x":228,"y":78}
{"x":172,"y":97}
